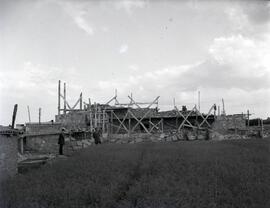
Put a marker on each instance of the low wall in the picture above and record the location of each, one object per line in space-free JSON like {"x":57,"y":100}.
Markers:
{"x":42,"y":128}
{"x":8,"y":157}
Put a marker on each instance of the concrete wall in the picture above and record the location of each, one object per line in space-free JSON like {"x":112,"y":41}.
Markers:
{"x":8,"y":156}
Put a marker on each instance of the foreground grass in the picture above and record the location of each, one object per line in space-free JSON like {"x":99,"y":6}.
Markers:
{"x":186,"y":174}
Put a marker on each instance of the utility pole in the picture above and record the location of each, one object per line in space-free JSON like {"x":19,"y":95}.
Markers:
{"x":29,"y":116}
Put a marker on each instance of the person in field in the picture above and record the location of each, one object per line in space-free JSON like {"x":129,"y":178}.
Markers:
{"x":61,"y":142}
{"x":96,"y":136}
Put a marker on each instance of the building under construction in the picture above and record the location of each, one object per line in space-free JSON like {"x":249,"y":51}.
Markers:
{"x":129,"y":118}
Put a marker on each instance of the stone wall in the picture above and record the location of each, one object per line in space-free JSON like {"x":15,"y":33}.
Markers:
{"x":42,"y":143}
{"x":230,"y":124}
{"x":73,"y":120}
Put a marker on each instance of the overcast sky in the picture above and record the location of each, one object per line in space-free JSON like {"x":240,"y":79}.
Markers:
{"x":150,"y":48}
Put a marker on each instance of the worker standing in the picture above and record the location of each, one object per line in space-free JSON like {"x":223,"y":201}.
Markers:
{"x":96,"y":136}
{"x":61,"y":141}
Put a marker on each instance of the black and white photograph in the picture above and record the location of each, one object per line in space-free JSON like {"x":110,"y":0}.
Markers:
{"x":134,"y":103}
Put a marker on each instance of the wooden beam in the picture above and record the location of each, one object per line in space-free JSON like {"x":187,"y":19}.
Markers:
{"x":39,"y":115}
{"x":122,"y":123}
{"x":59,"y":93}
{"x":132,"y":101}
{"x":155,"y":126}
{"x":205,"y":119}
{"x":29,"y":116}
{"x":119,"y":121}
{"x":138,"y":122}
{"x":65,"y":99}
{"x":184,"y":117}
{"x":14,"y":115}
{"x":198,"y":112}
{"x":81,"y":101}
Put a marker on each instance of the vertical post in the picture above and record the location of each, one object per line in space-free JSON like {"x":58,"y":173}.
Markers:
{"x":218,"y":110}
{"x":95,"y":122}
{"x":91,"y":120}
{"x":29,"y":116}
{"x":111,"y":121}
{"x":14,"y":115}
{"x":129,"y":124}
{"x":162,"y":125}
{"x":59,"y":100}
{"x":103,"y":121}
{"x":21,"y":145}
{"x":199,"y":101}
{"x":261,"y":128}
{"x":81,"y":101}
{"x":223,"y":107}
{"x":248,"y":118}
{"x":65,"y":99}
{"x":89,"y":104}
{"x":39,"y":115}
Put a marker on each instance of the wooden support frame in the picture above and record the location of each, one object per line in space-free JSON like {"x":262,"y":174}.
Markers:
{"x":185,"y":118}
{"x":213,"y":107}
{"x":66,"y":106}
{"x":155,"y":126}
{"x":121,"y":123}
{"x":139,"y":121}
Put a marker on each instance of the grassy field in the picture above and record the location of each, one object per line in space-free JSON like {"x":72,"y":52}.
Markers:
{"x":184,"y":174}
